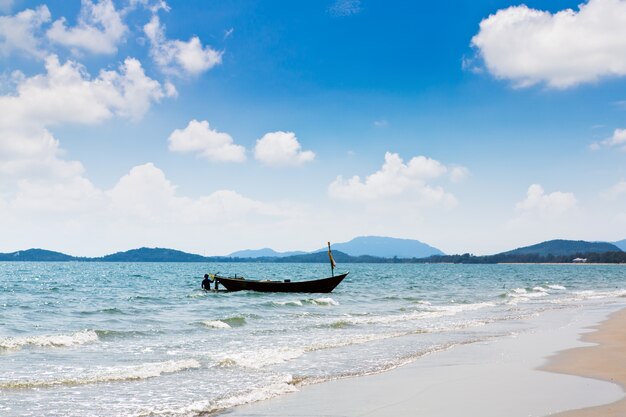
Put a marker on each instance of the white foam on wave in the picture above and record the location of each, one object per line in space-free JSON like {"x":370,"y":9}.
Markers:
{"x":109,"y":374}
{"x":282,"y":385}
{"x":523,"y":294}
{"x":56,"y":340}
{"x":325,"y":301}
{"x":216,"y":324}
{"x":259,"y":358}
{"x":433,"y":312}
{"x":288,"y":303}
{"x":556,"y":287}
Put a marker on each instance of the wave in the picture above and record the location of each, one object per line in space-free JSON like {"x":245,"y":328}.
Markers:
{"x":282,"y":385}
{"x":525,"y":294}
{"x":288,"y":303}
{"x":285,"y":384}
{"x":556,"y":287}
{"x":57,"y":340}
{"x":112,"y":311}
{"x":432,"y":313}
{"x":227,"y":323}
{"x":113,"y":374}
{"x":112,"y":334}
{"x":259,"y":358}
{"x":216,"y":324}
{"x":323,"y":301}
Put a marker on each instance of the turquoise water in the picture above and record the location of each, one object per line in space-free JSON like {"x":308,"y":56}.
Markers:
{"x":142,"y":339}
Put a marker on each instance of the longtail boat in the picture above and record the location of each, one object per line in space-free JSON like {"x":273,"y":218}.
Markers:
{"x":323,"y":285}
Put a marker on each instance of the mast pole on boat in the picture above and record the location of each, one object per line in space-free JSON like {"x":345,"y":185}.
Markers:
{"x":332,"y":261}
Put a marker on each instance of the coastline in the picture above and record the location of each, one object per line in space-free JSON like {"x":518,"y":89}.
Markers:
{"x":603,"y":360}
{"x":491,"y":378}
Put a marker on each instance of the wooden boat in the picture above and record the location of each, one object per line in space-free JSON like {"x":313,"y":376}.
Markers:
{"x":316,"y":285}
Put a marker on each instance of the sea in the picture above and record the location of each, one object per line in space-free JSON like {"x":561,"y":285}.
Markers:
{"x":143,"y":339}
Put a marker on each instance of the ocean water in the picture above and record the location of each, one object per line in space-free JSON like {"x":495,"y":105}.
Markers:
{"x":142,"y":339}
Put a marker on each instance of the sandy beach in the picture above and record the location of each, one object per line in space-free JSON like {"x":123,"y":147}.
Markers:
{"x":502,"y":377}
{"x":605,"y":360}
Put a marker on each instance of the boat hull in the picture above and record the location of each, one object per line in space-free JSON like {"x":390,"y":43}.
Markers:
{"x":324,"y":285}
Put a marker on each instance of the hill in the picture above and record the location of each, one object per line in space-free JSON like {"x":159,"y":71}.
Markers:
{"x":152,"y":255}
{"x":263,"y":253}
{"x":386,"y":247}
{"x":561,"y":247}
{"x":621,"y":244}
{"x":322,"y":257}
{"x":37,"y":255}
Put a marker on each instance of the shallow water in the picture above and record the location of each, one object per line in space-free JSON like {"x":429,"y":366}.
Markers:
{"x":142,"y":339}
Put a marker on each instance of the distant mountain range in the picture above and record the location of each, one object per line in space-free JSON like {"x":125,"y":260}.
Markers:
{"x":263,"y":253}
{"x":561,"y":247}
{"x":621,"y":244}
{"x":382,"y":247}
{"x":550,"y":251}
{"x":386,"y":247}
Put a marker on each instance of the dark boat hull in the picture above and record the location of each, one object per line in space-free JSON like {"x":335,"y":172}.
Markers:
{"x":323,"y":285}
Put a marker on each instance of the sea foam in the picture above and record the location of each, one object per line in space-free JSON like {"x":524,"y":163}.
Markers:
{"x":110,"y":374}
{"x":55,"y":340}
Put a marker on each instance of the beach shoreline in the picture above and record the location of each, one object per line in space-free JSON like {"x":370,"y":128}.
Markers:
{"x":602,"y":360}
{"x":491,"y":378}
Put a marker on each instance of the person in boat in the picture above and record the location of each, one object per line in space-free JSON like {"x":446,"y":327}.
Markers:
{"x":206,"y":282}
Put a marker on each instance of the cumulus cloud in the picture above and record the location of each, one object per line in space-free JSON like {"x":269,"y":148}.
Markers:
{"x":66,"y":94}
{"x":71,"y":196}
{"x":341,"y":8}
{"x":281,"y":149}
{"x":564,"y":49}
{"x":616,"y":191}
{"x":617,"y":140}
{"x":395,"y":179}
{"x":142,"y":208}
{"x":458,"y":173}
{"x":18,"y":33}
{"x":198,"y":137}
{"x":538,"y":201}
{"x":146,"y":195}
{"x":99,"y":30}
{"x":178,"y":57}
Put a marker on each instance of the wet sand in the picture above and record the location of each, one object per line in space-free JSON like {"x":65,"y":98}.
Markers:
{"x":604,"y":360}
{"x":492,"y":378}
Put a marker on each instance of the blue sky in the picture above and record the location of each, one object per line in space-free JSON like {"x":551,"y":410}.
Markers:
{"x":216,"y":126}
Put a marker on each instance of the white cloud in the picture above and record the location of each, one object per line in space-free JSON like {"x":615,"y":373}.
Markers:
{"x":99,"y":30}
{"x":397,"y":179}
{"x":458,"y":173}
{"x":18,"y":33}
{"x":281,"y":149}
{"x":174,"y":56}
{"x":564,"y":49}
{"x":66,"y":94}
{"x":208,"y":143}
{"x":538,"y":201}
{"x":72,"y":196}
{"x":146,"y":195}
{"x":152,"y":5}
{"x":618,"y":139}
{"x":341,"y":8}
{"x":616,"y":191}
{"x":381,"y":123}
{"x":142,"y":209}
